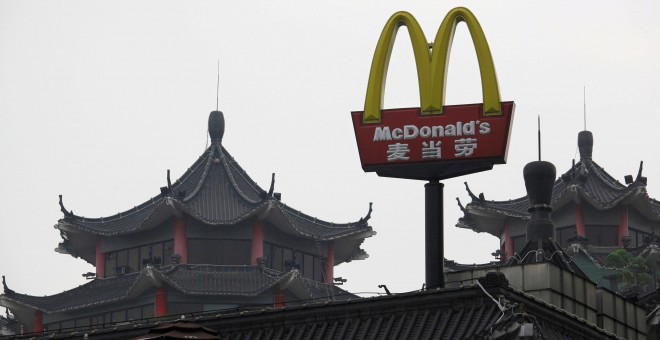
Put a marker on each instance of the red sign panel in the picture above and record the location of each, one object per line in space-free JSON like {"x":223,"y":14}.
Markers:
{"x":461,"y":135}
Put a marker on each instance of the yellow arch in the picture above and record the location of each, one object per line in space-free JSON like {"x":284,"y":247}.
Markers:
{"x":431,"y":66}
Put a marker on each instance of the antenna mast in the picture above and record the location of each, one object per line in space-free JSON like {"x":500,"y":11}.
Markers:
{"x":539,"y":136}
{"x":584,"y":101}
{"x":217,"y":89}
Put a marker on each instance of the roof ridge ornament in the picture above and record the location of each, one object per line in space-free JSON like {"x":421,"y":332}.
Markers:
{"x":460,"y":205}
{"x":472,"y":195}
{"x":272,"y":185}
{"x":368,"y":216}
{"x":641,"y":178}
{"x":4,"y":285}
{"x":66,"y":213}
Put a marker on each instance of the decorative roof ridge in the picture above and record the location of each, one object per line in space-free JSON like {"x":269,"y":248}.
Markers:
{"x":605,"y":176}
{"x":481,"y":198}
{"x":153,"y":202}
{"x":289,"y":210}
{"x":274,"y":277}
{"x":245,"y":216}
{"x":599,"y":204}
{"x":23,"y":299}
{"x":230,"y":162}
{"x":330,"y":289}
{"x":210,"y":152}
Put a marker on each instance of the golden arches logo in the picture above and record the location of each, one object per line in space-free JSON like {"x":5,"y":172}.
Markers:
{"x":431,"y":65}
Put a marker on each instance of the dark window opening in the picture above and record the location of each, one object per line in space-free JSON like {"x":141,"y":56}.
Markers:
{"x":604,"y":236}
{"x":219,"y":252}
{"x":284,"y":259}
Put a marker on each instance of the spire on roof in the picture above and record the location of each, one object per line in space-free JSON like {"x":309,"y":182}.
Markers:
{"x":216,"y":126}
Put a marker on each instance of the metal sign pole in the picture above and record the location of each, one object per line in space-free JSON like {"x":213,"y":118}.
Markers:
{"x":435,"y":261}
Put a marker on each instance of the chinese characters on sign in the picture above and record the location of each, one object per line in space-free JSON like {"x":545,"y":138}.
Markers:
{"x":464,"y":148}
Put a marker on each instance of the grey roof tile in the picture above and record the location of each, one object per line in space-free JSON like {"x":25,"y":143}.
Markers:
{"x":209,"y":280}
{"x":216,"y":191}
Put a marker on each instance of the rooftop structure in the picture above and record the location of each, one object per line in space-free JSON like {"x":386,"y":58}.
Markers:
{"x":594,"y":215}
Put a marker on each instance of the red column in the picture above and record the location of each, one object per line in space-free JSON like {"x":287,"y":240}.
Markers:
{"x":623,"y":224}
{"x":100,"y":260}
{"x":257,"y":242}
{"x":508,"y":242}
{"x":580,"y":230}
{"x":330,"y":263}
{"x":38,"y":322}
{"x":161,"y":302}
{"x":180,"y":240}
{"x":278,"y":299}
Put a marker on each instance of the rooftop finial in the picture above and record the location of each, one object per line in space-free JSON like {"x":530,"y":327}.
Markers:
{"x":539,"y":182}
{"x":585,"y":144}
{"x":216,"y":126}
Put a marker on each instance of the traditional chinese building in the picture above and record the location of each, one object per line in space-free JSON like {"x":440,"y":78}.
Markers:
{"x":211,"y":240}
{"x":594,"y":214}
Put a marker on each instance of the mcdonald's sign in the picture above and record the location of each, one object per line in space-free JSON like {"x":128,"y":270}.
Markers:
{"x":433,"y":141}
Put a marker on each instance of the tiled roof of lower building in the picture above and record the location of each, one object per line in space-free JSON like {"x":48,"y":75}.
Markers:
{"x":208,"y":280}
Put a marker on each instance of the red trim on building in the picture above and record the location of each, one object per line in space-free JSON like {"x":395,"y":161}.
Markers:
{"x":508,"y":242}
{"x":257,"y":242}
{"x":38,"y":322}
{"x":180,"y":239}
{"x":100,"y":260}
{"x":279,"y":299}
{"x":330,"y":263}
{"x":623,"y":225}
{"x":580,"y":230}
{"x":161,"y":302}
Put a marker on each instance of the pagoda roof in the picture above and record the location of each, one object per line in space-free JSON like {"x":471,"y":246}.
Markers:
{"x":204,"y":280}
{"x":585,"y":181}
{"x":217,"y":191}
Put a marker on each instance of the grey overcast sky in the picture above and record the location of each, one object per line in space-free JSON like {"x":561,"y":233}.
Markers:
{"x":99,"y":98}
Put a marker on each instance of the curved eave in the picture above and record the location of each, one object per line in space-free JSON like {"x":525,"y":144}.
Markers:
{"x":96,"y":292}
{"x":124,"y":223}
{"x":297,"y":223}
{"x":247,"y":281}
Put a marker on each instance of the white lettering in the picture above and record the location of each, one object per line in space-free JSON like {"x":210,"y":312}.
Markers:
{"x":468,"y":128}
{"x":450,"y":130}
{"x":396,"y":134}
{"x":425,"y":132}
{"x":484,"y":128}
{"x":382,"y":133}
{"x":438,"y":131}
{"x":410,"y":132}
